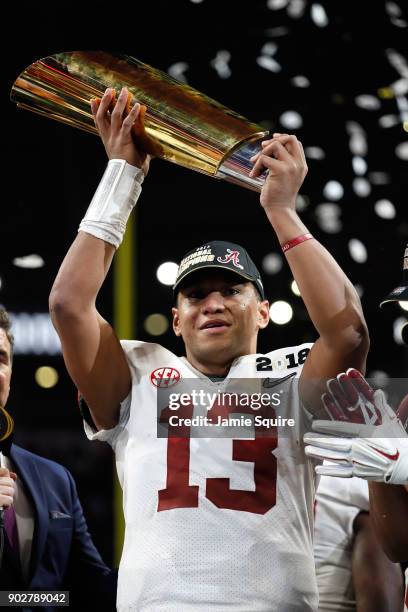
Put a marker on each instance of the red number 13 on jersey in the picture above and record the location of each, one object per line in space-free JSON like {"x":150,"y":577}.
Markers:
{"x":180,"y":494}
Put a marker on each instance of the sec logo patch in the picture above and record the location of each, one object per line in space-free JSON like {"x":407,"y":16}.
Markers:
{"x":165,"y":377}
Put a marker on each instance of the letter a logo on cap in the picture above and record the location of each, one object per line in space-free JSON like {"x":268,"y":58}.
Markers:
{"x":233,"y":256}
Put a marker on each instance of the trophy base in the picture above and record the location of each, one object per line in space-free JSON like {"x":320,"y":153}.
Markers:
{"x":236,"y":166}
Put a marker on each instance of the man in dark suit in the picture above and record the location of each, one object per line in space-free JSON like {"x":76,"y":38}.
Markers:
{"x":47,"y":545}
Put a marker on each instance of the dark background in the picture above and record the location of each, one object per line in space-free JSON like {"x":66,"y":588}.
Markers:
{"x":50,"y":173}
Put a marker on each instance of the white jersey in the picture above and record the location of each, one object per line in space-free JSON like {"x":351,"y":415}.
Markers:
{"x":214,"y":524}
{"x":338,"y":503}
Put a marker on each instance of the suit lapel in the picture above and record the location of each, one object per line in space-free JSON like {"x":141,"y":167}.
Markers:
{"x":31,"y":478}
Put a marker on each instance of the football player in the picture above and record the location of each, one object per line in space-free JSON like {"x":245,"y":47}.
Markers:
{"x":366,"y":438}
{"x":353,"y":572}
{"x":211,"y":523}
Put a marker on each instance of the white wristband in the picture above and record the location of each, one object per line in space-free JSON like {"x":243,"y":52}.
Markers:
{"x":113,"y":202}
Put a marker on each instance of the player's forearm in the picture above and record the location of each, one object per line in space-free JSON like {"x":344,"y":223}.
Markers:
{"x":388,"y":509}
{"x":330,"y":298}
{"x":81,"y":275}
{"x":377,"y":581}
{"x":382,"y":590}
{"x":101,"y":232}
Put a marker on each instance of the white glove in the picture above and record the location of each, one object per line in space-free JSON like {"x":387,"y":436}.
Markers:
{"x":373,"y":447}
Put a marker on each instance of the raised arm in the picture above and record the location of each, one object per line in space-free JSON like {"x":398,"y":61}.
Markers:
{"x":377,"y":582}
{"x":330,"y":298}
{"x":92,"y":352}
{"x":389,"y":511}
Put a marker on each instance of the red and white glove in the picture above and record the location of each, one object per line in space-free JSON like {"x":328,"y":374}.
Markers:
{"x":366,"y":437}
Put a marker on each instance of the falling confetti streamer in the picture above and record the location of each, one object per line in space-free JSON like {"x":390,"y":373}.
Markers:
{"x":393,"y":9}
{"x":368,"y":102}
{"x":357,"y":250}
{"x":361,"y":187}
{"x":268,"y":63}
{"x":291,"y":120}
{"x":269,"y":49}
{"x":277,"y":32}
{"x":358,"y":138}
{"x":388,"y":121}
{"x":328,"y":217}
{"x":300,"y":81}
{"x":333,"y":190}
{"x":379,"y":178}
{"x":319,"y":16}
{"x":314,"y":153}
{"x":385,"y":209}
{"x":177,"y":71}
{"x":296,"y":8}
{"x":276,"y":5}
{"x":220,"y":64}
{"x":359,"y":165}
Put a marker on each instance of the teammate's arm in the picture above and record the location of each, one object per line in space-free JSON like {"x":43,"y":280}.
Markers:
{"x":389,"y":512}
{"x":378,"y":583}
{"x":330,"y":298}
{"x":92,"y":352}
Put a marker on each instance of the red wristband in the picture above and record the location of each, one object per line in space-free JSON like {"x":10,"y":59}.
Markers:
{"x":295,"y":241}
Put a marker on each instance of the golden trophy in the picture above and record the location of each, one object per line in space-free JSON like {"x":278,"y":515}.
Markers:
{"x":186,"y":127}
